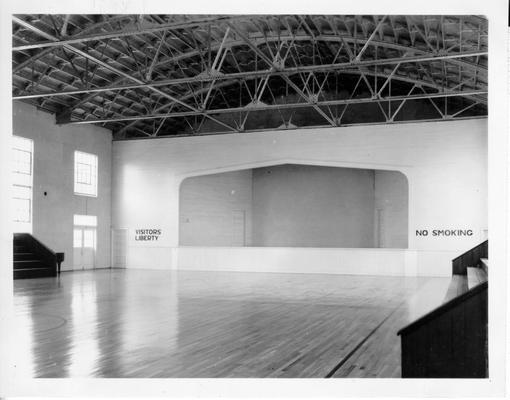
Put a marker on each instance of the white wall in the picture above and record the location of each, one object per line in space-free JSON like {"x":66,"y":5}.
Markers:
{"x":309,"y":206}
{"x":391,"y":203}
{"x":390,"y":262}
{"x":295,"y":260}
{"x":215,"y":210}
{"x":54,"y":148}
{"x":445,"y":163}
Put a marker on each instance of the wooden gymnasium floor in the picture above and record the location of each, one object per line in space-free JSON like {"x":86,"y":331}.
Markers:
{"x":141,"y":324}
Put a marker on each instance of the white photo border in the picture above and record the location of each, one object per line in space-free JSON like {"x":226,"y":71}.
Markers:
{"x":495,"y":386}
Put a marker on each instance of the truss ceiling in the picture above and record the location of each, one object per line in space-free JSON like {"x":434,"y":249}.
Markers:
{"x":173,"y":75}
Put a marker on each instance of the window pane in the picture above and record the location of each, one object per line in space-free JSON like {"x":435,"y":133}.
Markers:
{"x":22,"y":158}
{"x":85,"y":173}
{"x":89,"y":238}
{"x":77,"y":238}
{"x":85,"y":220}
{"x":22,"y":202}
{"x":21,"y":210}
{"x":22,"y":143}
{"x":21,"y":192}
{"x":22,"y":161}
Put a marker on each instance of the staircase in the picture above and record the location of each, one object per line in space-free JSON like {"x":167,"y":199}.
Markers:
{"x":451,"y":340}
{"x":32,"y":259}
{"x":473,"y":276}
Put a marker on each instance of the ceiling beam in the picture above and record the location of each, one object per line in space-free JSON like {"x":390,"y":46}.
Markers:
{"x":481,"y":69}
{"x":257,"y":40}
{"x":376,"y":30}
{"x":252,"y":74}
{"x":293,"y":33}
{"x":276,"y":67}
{"x":115,"y":70}
{"x":269,"y":107}
{"x":410,"y":121}
{"x":121,"y":33}
{"x":48,"y":50}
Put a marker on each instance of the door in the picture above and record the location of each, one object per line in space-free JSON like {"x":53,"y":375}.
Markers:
{"x":380,"y":228}
{"x":119,"y":248}
{"x":84,"y":241}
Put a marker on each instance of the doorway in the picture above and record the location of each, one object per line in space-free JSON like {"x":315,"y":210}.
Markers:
{"x":84,"y":241}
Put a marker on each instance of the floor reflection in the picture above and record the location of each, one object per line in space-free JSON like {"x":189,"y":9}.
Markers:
{"x":24,"y":328}
{"x":84,"y":351}
{"x":136,"y":323}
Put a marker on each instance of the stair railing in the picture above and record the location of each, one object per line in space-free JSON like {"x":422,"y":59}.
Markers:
{"x":46,"y":255}
{"x":470,"y":258}
{"x":450,"y":341}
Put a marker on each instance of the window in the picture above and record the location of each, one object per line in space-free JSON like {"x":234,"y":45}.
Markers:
{"x":22,"y":161}
{"x":22,"y":167}
{"x":77,"y":237}
{"x":22,"y":203}
{"x":85,"y":220}
{"x":84,"y":233}
{"x":85,"y":174}
{"x":85,"y":230}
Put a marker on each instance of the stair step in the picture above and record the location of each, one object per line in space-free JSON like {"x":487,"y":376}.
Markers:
{"x":23,"y":264}
{"x":476,"y":276}
{"x":23,"y":256}
{"x":33,"y":273}
{"x":20,"y":249}
{"x":27,"y":264}
{"x":485,"y":264}
{"x":458,"y":285}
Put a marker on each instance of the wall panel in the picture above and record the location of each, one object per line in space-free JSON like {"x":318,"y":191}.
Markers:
{"x":54,"y":148}
{"x":445,"y":164}
{"x":310,"y":206}
{"x":215,"y":210}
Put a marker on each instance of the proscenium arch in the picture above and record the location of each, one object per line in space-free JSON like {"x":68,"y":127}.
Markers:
{"x":401,"y":170}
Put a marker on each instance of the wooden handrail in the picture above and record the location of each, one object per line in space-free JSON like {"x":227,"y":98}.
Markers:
{"x":33,"y":238}
{"x":443,"y":308}
{"x":451,"y":340}
{"x":470,"y":258}
{"x":473,"y":249}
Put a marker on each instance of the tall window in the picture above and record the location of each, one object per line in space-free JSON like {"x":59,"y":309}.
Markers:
{"x":85,"y":174}
{"x":22,"y":171}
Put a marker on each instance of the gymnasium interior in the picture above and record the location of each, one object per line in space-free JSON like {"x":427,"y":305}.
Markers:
{"x":250,"y":196}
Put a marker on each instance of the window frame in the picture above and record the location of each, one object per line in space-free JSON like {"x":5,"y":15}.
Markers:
{"x":22,"y":179}
{"x":86,"y":183}
{"x":83,"y":226}
{"x":18,"y":171}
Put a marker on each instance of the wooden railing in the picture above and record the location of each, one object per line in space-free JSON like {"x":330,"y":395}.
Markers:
{"x":470,"y":258}
{"x":450,"y":341}
{"x":46,"y":255}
